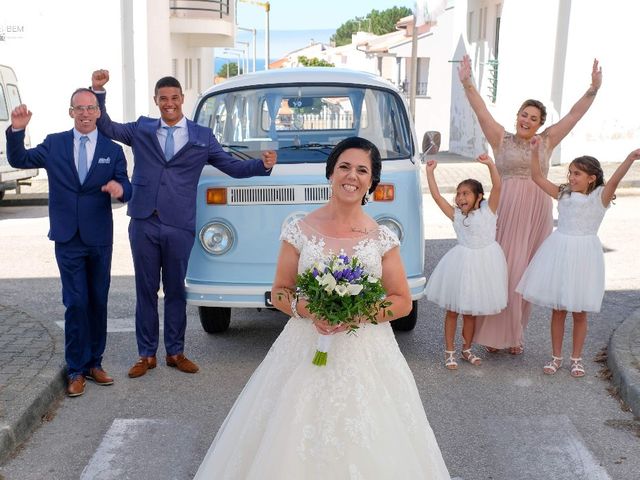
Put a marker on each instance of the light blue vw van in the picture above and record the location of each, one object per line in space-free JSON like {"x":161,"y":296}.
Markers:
{"x":302,"y":113}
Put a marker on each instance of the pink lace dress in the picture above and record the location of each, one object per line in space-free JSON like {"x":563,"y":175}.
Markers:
{"x":524,"y":221}
{"x":359,"y":417}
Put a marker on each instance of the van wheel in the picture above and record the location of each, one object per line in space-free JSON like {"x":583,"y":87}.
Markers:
{"x":214,"y":319}
{"x":408,"y":323}
{"x":1,"y":195}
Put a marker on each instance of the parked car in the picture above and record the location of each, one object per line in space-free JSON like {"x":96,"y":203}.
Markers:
{"x":9,"y":99}
{"x":301,"y":113}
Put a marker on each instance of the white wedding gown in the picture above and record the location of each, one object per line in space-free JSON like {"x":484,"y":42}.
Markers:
{"x":360,"y":417}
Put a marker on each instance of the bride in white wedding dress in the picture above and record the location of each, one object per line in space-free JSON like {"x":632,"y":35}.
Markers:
{"x":360,"y":416}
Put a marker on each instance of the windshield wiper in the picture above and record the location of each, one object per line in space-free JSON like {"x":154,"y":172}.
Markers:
{"x":309,"y":146}
{"x":237,"y":150}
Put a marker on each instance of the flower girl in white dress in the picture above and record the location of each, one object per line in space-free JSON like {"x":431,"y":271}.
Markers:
{"x":567,"y":272}
{"x":360,"y":416}
{"x":471,"y":279}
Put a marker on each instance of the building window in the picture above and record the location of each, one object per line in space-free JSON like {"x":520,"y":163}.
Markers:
{"x":199,"y":74}
{"x":470,"y":27}
{"x":423,"y":77}
{"x":174,"y":67}
{"x":482,"y":24}
{"x":188,"y":74}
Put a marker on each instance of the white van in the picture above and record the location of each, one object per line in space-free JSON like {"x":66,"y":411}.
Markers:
{"x":9,"y":99}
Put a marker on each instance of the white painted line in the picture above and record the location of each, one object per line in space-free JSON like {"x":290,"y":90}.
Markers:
{"x":143,"y":448}
{"x":548,"y":445}
{"x":119,"y":325}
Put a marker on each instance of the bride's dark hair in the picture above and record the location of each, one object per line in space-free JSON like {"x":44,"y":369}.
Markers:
{"x":361,"y":144}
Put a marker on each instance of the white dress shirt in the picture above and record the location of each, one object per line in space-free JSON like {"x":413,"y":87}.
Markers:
{"x":180,"y":134}
{"x":90,"y":146}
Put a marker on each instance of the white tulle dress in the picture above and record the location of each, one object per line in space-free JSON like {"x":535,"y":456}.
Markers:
{"x":360,"y":417}
{"x":471,"y":278}
{"x":567,"y":272}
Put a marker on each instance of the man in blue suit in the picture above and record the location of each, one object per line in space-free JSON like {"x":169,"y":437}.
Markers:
{"x":85,"y":170}
{"x":169,"y":155}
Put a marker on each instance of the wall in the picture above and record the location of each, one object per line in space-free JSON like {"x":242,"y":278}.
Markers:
{"x":56,"y":53}
{"x":547,"y":53}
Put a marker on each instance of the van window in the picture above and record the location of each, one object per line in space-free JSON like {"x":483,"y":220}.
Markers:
{"x":306,"y":120}
{"x":4,"y":112}
{"x":13,"y":96}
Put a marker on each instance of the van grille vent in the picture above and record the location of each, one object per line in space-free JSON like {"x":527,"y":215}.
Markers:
{"x":278,"y":195}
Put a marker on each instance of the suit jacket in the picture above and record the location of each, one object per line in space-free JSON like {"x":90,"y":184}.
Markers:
{"x":73,"y":206}
{"x":169,"y":188}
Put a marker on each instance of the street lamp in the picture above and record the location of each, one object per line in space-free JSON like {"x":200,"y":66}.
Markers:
{"x":253,"y":36}
{"x":239,"y":54}
{"x":267,"y":8}
{"x":245,"y":49}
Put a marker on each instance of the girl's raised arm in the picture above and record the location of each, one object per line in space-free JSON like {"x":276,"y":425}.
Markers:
{"x":610,"y":187}
{"x":536,"y":171}
{"x":445,"y":206}
{"x":496,"y":181}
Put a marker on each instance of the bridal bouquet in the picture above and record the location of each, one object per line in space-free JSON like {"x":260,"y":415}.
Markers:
{"x":340,"y":291}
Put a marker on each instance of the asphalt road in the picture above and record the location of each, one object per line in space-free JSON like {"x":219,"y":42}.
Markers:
{"x":502,"y":420}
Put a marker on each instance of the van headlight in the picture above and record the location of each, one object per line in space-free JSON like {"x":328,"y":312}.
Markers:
{"x":392,"y":225}
{"x":216,"y":238}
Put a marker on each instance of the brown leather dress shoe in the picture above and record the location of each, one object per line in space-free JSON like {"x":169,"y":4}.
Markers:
{"x":75,"y":388}
{"x":99,"y":376}
{"x":142,"y":365}
{"x":182,"y":363}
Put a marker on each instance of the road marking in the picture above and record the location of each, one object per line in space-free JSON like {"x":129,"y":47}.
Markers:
{"x":143,"y":448}
{"x":548,"y":445}
{"x":128,"y":324}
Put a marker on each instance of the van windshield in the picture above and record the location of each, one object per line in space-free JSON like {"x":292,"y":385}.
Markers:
{"x":303,"y":122}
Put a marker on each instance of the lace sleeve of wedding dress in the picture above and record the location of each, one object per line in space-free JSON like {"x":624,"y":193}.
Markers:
{"x":386,"y":240}
{"x":292,"y":234}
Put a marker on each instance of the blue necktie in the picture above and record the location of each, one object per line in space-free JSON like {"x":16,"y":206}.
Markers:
{"x":82,"y":158}
{"x":168,"y":144}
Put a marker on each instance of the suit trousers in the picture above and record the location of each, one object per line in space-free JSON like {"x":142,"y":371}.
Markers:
{"x":85,"y":272}
{"x":160,"y":251}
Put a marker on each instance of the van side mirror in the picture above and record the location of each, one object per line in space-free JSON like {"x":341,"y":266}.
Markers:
{"x":431,"y":143}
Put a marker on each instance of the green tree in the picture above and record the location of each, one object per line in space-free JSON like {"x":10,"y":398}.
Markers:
{"x":232,"y":70}
{"x":376,"y":22}
{"x":313,"y":62}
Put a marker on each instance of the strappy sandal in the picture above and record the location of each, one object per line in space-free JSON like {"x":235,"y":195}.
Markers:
{"x":450,"y":360}
{"x":577,"y":368}
{"x":553,"y":366}
{"x":519,"y":350}
{"x":491,"y":349}
{"x":470,"y":357}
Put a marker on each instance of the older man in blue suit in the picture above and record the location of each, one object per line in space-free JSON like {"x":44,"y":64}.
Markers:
{"x":85,"y":170}
{"x":169,"y":155}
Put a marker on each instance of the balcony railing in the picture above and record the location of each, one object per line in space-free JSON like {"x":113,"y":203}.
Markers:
{"x":493,"y":80}
{"x":199,"y":8}
{"x":421,"y":91}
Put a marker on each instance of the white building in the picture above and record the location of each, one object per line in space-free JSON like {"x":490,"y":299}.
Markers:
{"x":517,"y":52}
{"x":54,"y":47}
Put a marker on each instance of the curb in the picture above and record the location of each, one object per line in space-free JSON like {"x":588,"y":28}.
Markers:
{"x":622,"y":362}
{"x":25,"y":201}
{"x":16,"y":426}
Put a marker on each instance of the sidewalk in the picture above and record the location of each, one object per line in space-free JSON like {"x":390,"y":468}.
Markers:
{"x":31,"y":374}
{"x":32,"y":352}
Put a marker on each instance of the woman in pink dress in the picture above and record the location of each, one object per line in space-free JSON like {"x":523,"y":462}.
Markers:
{"x":524,"y":212}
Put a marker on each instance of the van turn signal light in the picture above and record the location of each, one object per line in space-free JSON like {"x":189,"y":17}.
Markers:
{"x":384,"y":192}
{"x":216,"y":196}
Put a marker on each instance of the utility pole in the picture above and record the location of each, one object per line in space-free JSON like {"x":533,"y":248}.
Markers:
{"x":267,"y":8}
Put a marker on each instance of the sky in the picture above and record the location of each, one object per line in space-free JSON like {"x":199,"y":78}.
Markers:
{"x":293,"y":26}
{"x":310,"y":15}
